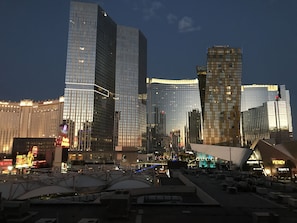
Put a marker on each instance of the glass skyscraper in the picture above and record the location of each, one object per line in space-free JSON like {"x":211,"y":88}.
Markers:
{"x":266,"y":113}
{"x":222,"y":96}
{"x":255,"y":95}
{"x":90,"y":78}
{"x":173,"y":99}
{"x":130,"y":91}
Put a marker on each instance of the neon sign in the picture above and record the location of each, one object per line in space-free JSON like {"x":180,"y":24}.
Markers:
{"x":278,"y":162}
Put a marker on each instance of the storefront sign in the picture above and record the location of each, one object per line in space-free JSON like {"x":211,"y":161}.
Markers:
{"x":278,"y":162}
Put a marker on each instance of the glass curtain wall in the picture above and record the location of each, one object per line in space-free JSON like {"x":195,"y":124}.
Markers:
{"x":90,"y":76}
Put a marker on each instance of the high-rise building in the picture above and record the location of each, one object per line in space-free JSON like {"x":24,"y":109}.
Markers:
{"x":255,"y":95}
{"x":90,"y":78}
{"x":9,"y":125}
{"x":266,"y":114}
{"x":175,"y":99}
{"x":195,"y":127}
{"x":29,"y":119}
{"x":130,"y":90}
{"x":201,"y":73}
{"x":222,"y":96}
{"x":162,"y":123}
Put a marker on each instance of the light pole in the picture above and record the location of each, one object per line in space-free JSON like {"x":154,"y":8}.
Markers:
{"x":230,"y":158}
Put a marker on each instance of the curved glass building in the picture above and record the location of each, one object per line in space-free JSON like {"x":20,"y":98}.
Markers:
{"x":169,"y":104}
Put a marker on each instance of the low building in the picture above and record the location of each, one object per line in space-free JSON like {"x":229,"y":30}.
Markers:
{"x":265,"y":157}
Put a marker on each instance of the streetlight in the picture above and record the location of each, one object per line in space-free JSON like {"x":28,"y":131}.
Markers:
{"x":230,"y":159}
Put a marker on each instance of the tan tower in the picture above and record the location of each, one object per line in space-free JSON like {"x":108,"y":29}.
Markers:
{"x":222,"y":96}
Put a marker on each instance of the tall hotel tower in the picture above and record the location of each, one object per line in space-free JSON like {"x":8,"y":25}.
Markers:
{"x":90,"y":78}
{"x":29,"y":119}
{"x":130,"y":106}
{"x":172,"y":100}
{"x":222,"y":96}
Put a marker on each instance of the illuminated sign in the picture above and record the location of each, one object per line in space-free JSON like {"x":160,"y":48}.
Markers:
{"x":252,"y":162}
{"x":284,"y":169}
{"x":64,"y":129}
{"x":278,"y":162}
{"x":47,"y":102}
{"x":257,"y":168}
{"x":65,"y":142}
{"x":5,"y":162}
{"x":24,"y":161}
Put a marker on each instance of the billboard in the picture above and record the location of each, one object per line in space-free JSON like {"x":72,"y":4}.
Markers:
{"x":5,"y":163}
{"x":63,"y":140}
{"x":24,"y":161}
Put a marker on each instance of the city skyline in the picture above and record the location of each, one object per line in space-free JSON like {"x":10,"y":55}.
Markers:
{"x":35,"y":41}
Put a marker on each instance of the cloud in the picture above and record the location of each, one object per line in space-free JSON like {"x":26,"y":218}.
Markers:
{"x":150,"y":9}
{"x":171,"y":18}
{"x":186,"y":24}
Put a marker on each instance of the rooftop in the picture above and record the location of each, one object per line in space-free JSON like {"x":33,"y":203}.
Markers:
{"x":188,"y":195}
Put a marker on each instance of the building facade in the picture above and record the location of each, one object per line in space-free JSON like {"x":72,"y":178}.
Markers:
{"x":222,"y":96}
{"x":10,"y":124}
{"x":130,"y":89}
{"x":266,"y":114}
{"x":29,"y":119}
{"x":90,"y":78}
{"x":172,"y":99}
{"x":201,"y":73}
{"x":194,"y":130}
{"x":255,"y":95}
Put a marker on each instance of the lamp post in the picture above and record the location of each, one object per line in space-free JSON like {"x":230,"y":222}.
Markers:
{"x":230,"y":158}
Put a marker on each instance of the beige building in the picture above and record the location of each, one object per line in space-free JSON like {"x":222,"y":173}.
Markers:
{"x":222,"y":96}
{"x":28,"y":118}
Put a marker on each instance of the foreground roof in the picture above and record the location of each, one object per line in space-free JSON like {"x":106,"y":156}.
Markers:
{"x":237,"y":155}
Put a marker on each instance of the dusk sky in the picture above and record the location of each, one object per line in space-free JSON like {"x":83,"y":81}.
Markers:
{"x":34,"y":40}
